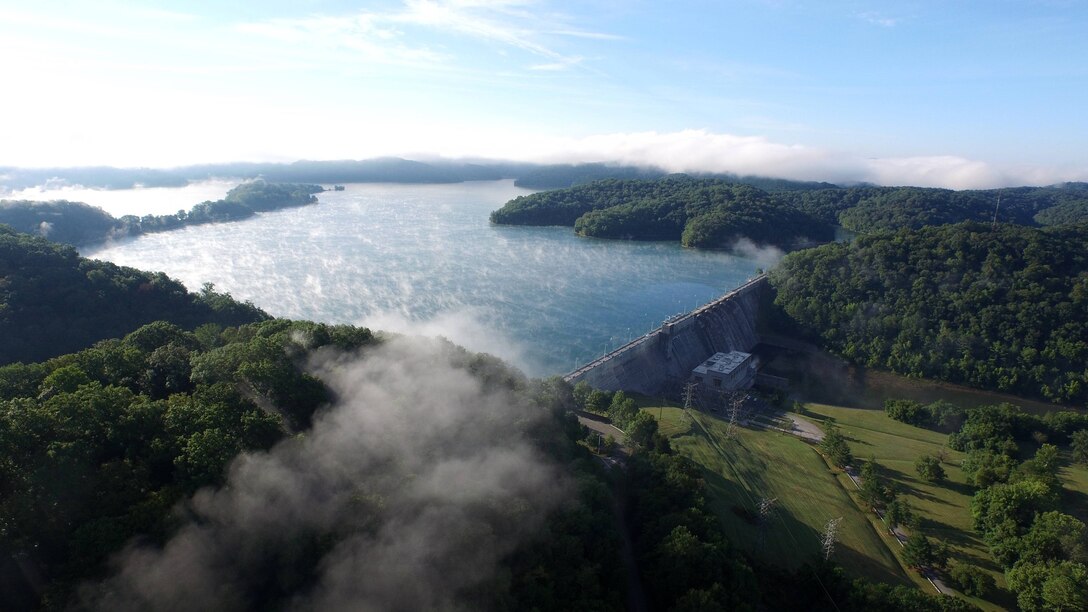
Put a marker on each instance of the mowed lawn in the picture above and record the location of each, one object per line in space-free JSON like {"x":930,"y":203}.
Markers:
{"x":944,"y":506}
{"x":1075,"y":484}
{"x":761,"y":463}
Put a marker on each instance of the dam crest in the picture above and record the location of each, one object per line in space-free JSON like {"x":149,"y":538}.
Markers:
{"x":659,"y":362}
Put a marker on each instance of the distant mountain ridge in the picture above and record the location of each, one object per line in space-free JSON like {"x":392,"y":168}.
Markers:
{"x":377,"y":170}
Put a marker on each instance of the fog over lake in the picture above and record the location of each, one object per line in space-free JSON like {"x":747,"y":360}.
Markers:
{"x":424,"y":259}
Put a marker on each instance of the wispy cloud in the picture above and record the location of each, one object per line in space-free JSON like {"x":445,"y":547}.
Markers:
{"x":588,"y":35}
{"x":562,"y":64}
{"x":367,"y":35}
{"x":880,"y":20}
{"x":387,"y":35}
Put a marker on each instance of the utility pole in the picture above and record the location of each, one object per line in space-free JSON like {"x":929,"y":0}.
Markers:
{"x":766,"y":511}
{"x":689,"y":395}
{"x":830,"y":535}
{"x":735,"y":402}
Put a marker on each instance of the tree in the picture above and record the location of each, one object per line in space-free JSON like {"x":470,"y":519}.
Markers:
{"x":907,"y":411}
{"x":1067,"y":587}
{"x":1014,"y":503}
{"x":1042,"y":586}
{"x":835,"y":447}
{"x":983,"y":468}
{"x":898,"y":513}
{"x":598,"y":401}
{"x":918,"y":550}
{"x":622,"y":410}
{"x":1055,"y":536}
{"x":929,"y":468}
{"x":969,"y":579}
{"x":873,"y":491}
{"x":609,"y":445}
{"x":641,"y":430}
{"x":581,"y":393}
{"x":1080,"y":446}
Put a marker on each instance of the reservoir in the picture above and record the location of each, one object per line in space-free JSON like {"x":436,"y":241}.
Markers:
{"x":424,"y":259}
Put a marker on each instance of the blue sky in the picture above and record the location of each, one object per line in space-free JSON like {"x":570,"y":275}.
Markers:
{"x":952,"y":93}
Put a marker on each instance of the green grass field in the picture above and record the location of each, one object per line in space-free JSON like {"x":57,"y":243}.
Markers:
{"x":770,"y":464}
{"x":944,"y":506}
{"x":1075,"y":484}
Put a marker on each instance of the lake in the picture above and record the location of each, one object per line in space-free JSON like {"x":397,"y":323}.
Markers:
{"x":424,"y":259}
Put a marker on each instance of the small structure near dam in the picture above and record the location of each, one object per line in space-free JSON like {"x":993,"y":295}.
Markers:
{"x":726,"y":371}
{"x":662,"y":361}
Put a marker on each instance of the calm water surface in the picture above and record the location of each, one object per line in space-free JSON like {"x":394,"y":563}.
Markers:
{"x":425,"y":259}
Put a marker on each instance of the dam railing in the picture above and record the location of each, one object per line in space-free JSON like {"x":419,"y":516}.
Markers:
{"x":650,"y":334}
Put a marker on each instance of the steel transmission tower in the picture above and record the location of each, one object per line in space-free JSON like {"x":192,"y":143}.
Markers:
{"x":689,"y":395}
{"x":830,"y":535}
{"x":766,"y":511}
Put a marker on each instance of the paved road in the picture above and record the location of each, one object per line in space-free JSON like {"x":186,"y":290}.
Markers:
{"x":901,"y":537}
{"x":800,"y":427}
{"x":601,"y":425}
{"x":805,"y":428}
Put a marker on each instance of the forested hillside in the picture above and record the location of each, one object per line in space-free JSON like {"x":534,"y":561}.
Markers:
{"x":1003,"y":309}
{"x":78,"y":224}
{"x":60,"y":220}
{"x":98,"y":447}
{"x":52,"y":301}
{"x":866,"y":209}
{"x":707,"y":213}
{"x":714,"y":213}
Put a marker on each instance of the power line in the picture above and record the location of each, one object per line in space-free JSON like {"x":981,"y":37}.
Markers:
{"x":766,"y":511}
{"x":734,"y":411}
{"x":830,"y":535}
{"x":689,"y":395}
{"x":785,"y":524}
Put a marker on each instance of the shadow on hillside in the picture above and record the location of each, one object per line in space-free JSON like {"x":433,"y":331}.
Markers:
{"x":959,"y":487}
{"x":903,"y":484}
{"x":1076,"y":502}
{"x":789,"y":541}
{"x":952,"y":535}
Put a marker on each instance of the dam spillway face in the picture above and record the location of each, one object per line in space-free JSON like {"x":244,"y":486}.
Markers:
{"x":665,"y":357}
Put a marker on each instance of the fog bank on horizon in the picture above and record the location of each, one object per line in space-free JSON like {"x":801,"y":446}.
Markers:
{"x":686,"y":151}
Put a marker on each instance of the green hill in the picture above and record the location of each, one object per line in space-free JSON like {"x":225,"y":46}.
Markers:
{"x":1003,"y":308}
{"x":52,"y":301}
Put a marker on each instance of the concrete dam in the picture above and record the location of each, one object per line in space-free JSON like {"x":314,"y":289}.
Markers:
{"x":659,"y":362}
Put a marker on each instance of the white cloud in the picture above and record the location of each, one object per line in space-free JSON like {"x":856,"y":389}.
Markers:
{"x":703,"y":151}
{"x":558,"y":66}
{"x":504,"y":22}
{"x":880,"y":20}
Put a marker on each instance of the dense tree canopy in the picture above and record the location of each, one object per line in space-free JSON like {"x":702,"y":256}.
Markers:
{"x":1003,"y":309}
{"x":97,"y":446}
{"x":52,"y":301}
{"x":707,"y":213}
{"x":78,"y":224}
{"x":867,"y":209}
{"x":104,"y":445}
{"x":714,"y":212}
{"x":60,"y":221}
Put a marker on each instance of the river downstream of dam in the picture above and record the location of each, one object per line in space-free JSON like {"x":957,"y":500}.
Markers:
{"x":424,"y":259}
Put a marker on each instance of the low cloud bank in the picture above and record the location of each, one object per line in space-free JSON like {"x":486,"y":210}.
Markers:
{"x":412,"y":489}
{"x":703,"y":151}
{"x":766,"y":256}
{"x":472,"y":328}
